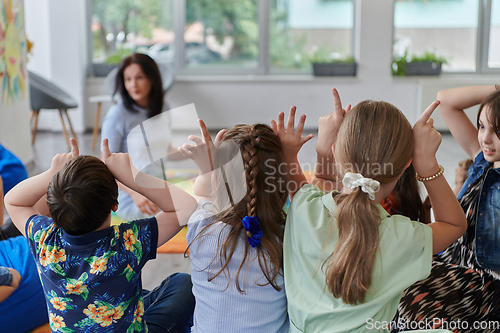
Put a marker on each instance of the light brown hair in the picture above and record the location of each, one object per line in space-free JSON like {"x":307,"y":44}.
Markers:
{"x":265,"y":197}
{"x":376,"y":140}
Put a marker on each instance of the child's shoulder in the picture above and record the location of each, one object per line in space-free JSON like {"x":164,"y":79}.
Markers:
{"x":309,"y":195}
{"x":138,"y":228}
{"x":201,"y":217}
{"x":308,"y":192}
{"x":38,"y":222}
{"x":401,"y":228}
{"x":116,"y":112}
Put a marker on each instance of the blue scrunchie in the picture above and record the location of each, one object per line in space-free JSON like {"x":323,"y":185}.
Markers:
{"x":252,"y":225}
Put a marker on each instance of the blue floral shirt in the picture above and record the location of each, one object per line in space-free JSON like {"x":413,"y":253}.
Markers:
{"x":92,"y":282}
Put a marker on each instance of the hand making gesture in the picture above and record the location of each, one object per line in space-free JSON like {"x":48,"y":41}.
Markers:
{"x":427,"y":141}
{"x":291,"y":141}
{"x":329,"y":125}
{"x":202,"y":149}
{"x":203,"y":153}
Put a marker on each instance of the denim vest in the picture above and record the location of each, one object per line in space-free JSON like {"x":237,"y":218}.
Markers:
{"x":487,"y":235}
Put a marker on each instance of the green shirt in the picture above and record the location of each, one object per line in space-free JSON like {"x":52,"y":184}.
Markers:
{"x":404,"y":257}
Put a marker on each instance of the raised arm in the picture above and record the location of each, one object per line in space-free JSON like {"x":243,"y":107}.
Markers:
{"x":453,"y":103}
{"x":113,"y":129}
{"x":325,"y":176}
{"x":291,"y":141}
{"x":176,"y":205}
{"x":202,"y":153}
{"x":21,"y":201}
{"x":450,"y":219}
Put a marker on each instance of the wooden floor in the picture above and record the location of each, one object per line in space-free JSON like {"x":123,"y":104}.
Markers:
{"x":48,"y":144}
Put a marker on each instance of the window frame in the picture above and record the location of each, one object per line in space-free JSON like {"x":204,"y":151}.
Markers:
{"x":264,"y":66}
{"x":483,"y":38}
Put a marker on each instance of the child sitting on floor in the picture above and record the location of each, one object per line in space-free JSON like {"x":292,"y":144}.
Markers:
{"x":90,"y":271}
{"x":235,"y":236}
{"x":346,"y":261}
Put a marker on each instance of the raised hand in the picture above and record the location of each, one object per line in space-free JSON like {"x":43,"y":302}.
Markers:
{"x":60,"y":160}
{"x":427,"y":141}
{"x":203,"y":151}
{"x":329,"y":125}
{"x":291,"y":137}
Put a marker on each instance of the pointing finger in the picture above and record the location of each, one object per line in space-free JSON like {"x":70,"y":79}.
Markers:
{"x":428,"y":112}
{"x":75,"y":152}
{"x":204,"y":131}
{"x":337,"y":104}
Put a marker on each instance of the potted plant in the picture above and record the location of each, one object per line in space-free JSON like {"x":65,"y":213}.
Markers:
{"x":326,"y":63}
{"x":427,"y":64}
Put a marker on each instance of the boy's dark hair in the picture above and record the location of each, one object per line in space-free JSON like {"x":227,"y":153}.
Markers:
{"x":81,"y":196}
{"x":152,"y":72}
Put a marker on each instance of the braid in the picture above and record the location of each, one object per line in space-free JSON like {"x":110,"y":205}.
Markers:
{"x":251,"y":161}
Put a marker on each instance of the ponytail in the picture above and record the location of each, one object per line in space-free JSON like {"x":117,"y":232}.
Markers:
{"x":375,"y":139}
{"x":350,"y":266}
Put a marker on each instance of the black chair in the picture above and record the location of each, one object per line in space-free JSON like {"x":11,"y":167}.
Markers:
{"x":45,"y":95}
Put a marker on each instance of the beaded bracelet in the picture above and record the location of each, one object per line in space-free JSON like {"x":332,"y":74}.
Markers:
{"x":425,"y":179}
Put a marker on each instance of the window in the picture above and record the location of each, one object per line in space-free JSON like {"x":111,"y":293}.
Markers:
{"x":121,"y":27}
{"x":222,"y":33}
{"x":494,"y":36}
{"x":284,"y":36}
{"x":223,"y":36}
{"x":468,"y":36}
{"x":421,"y":26}
{"x":303,"y":29}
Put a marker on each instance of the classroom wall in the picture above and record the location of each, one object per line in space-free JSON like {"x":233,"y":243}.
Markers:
{"x":14,"y":111}
{"x":58,"y":29}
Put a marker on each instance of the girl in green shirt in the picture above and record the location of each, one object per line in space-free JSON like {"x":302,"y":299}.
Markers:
{"x":347,"y":261}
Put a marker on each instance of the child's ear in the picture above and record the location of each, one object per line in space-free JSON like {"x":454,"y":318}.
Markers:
{"x":114,"y":208}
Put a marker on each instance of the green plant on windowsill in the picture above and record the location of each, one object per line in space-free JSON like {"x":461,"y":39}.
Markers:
{"x":400,"y":63}
{"x":327,"y":63}
{"x":323,"y":55}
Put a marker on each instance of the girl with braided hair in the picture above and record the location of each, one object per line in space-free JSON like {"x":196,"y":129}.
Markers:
{"x":346,"y":261}
{"x":235,"y":236}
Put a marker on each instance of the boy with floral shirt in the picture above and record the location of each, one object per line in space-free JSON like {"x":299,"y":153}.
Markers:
{"x":90,"y":271}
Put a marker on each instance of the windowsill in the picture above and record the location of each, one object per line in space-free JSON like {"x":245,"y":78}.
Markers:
{"x":290,"y":78}
{"x":264,"y":78}
{"x":448,"y":76}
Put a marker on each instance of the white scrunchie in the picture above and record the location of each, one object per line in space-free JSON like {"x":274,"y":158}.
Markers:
{"x":369,"y":186}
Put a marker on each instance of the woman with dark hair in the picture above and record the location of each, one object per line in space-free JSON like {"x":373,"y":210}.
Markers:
{"x":139,"y":85}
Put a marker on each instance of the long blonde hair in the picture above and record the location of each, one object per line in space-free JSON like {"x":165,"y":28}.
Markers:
{"x":376,"y":140}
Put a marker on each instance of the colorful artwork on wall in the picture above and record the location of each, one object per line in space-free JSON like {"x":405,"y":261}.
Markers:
{"x":12,"y":51}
